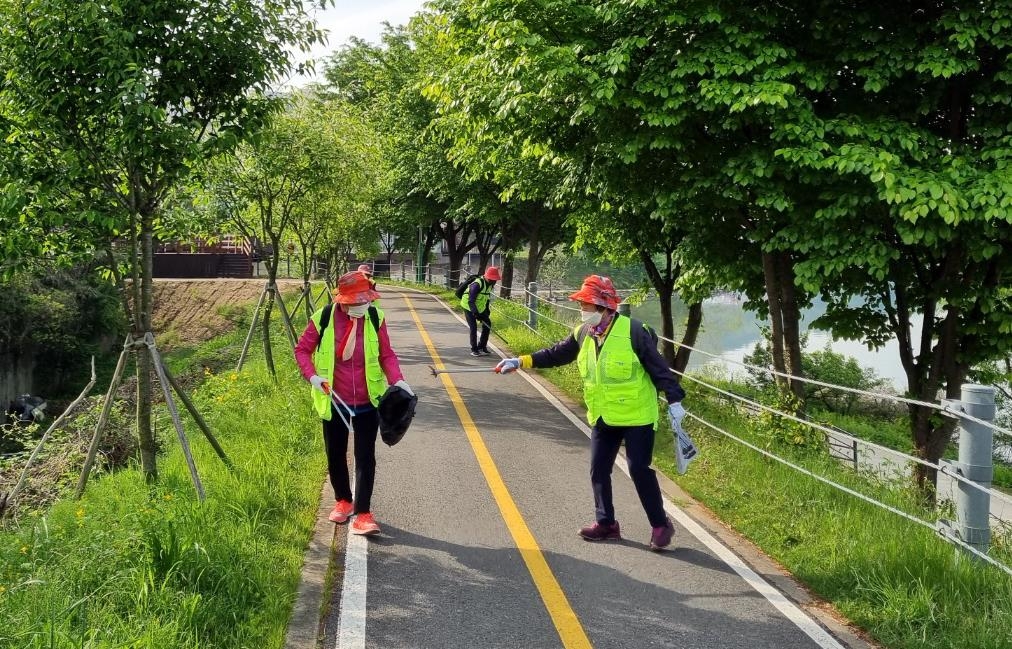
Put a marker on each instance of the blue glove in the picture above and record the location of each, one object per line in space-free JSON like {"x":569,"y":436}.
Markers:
{"x":508,"y":365}
{"x":676,"y":413}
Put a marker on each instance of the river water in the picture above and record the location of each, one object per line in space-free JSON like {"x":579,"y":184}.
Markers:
{"x":731,"y":332}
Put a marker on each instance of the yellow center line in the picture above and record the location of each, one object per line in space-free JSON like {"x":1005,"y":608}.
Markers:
{"x":562,"y":614}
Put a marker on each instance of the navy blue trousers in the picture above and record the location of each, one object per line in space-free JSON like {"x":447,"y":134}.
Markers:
{"x":605,"y":441}
{"x":335,"y":440}
{"x":472,"y":324}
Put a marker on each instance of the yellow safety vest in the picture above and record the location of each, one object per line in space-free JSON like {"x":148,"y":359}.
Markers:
{"x":616,"y":387}
{"x":323,"y":360}
{"x":481,"y":301}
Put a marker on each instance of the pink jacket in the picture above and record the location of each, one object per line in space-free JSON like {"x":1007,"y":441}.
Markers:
{"x":349,"y":375}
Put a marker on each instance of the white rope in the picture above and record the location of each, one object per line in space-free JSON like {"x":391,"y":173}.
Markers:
{"x":947,"y":410}
{"x":955,"y":540}
{"x":551,"y":303}
{"x":910,"y":458}
{"x":820,"y":478}
{"x":856,"y":494}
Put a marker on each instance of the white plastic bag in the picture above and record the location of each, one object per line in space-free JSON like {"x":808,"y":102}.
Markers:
{"x":685,"y":449}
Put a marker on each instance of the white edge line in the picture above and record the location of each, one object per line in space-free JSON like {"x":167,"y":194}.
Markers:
{"x":790,"y":610}
{"x":351,"y":620}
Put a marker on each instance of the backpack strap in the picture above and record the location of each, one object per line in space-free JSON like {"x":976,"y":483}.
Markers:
{"x":325,"y":321}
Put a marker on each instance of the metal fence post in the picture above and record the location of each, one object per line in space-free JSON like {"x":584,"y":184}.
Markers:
{"x":532,"y":306}
{"x":973,"y":506}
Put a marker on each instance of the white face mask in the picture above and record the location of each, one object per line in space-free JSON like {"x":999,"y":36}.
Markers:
{"x":357,"y":310}
{"x":592,"y":318}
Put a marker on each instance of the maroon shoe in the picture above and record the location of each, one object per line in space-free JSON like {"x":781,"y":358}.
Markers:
{"x":600,"y":532}
{"x":660,"y":538}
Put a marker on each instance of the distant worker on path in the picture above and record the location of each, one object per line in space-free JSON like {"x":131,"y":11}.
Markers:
{"x":345,"y":354}
{"x":622,"y":373}
{"x":475,"y":303}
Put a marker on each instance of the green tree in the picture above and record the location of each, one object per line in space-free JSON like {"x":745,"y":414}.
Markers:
{"x":107,"y":106}
{"x":265,"y":184}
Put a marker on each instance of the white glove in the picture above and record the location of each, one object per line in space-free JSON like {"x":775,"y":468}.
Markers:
{"x":508,"y":365}
{"x":402,"y":384}
{"x":320,"y":383}
{"x":676,"y":413}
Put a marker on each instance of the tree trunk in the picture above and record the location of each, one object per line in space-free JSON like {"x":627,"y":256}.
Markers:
{"x":143,"y":310}
{"x":791,"y":323}
{"x":272,"y":277}
{"x":506,"y":286}
{"x":692,"y":325}
{"x":664,"y":294}
{"x":931,"y":434}
{"x":776,"y":317}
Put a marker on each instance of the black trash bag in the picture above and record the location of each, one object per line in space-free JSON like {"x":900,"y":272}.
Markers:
{"x":396,"y":410}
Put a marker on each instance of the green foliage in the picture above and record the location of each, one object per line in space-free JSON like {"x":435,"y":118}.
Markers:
{"x":896,"y":580}
{"x":61,"y":318}
{"x":154,"y":568}
{"x":778,"y":431}
{"x":821,"y":365}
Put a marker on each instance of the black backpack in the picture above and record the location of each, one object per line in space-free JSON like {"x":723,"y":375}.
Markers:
{"x":325,"y":320}
{"x":459,"y":291}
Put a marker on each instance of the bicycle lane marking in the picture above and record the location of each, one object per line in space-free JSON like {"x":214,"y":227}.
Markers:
{"x":563,"y":617}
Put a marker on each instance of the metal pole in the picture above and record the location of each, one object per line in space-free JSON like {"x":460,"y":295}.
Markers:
{"x":252,"y":328}
{"x":420,"y":258}
{"x":201,"y":424}
{"x":96,"y":438}
{"x":289,"y":329}
{"x":149,"y":340}
{"x":973,"y":506}
{"x":532,"y":306}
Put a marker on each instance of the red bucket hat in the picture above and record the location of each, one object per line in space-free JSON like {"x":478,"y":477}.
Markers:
{"x":354,"y":288}
{"x":597,"y":289}
{"x":492,"y":274}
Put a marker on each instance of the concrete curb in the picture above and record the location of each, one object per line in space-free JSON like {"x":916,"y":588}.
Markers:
{"x":304,"y":623}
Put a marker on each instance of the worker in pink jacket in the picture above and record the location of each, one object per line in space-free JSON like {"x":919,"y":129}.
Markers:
{"x":345,"y":354}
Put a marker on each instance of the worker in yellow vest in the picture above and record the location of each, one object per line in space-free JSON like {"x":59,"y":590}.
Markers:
{"x":622,"y":374}
{"x":476,"y":304}
{"x":345,"y":354}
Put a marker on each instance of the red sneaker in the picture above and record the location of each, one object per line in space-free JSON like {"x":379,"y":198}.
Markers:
{"x":364,"y":524}
{"x":342,"y":510}
{"x":601,"y":532}
{"x":660,"y":537}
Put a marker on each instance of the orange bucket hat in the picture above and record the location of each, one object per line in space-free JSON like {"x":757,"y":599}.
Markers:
{"x":354,"y":288}
{"x":597,"y":289}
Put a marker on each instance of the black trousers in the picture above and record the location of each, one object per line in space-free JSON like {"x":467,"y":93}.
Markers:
{"x":472,"y":323}
{"x":335,"y":441}
{"x":605,"y":441}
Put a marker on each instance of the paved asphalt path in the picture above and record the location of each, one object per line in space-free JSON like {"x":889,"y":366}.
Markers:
{"x":479,"y":507}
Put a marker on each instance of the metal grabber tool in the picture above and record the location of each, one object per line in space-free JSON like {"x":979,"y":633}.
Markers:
{"x":344,"y":411}
{"x":452,"y":370}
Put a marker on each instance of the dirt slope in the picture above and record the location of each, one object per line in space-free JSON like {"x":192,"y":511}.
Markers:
{"x":187,"y":312}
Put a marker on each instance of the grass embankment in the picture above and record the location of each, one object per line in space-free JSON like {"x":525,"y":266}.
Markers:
{"x":151,"y":567}
{"x":892,"y":577}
